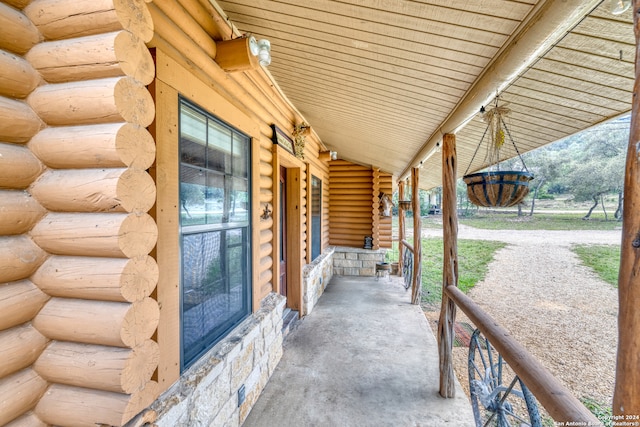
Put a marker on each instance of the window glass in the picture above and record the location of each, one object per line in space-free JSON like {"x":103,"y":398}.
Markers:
{"x":316,"y":216}
{"x":214,"y":224}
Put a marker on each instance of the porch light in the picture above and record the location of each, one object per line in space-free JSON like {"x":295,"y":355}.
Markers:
{"x":618,"y":7}
{"x":262,"y":49}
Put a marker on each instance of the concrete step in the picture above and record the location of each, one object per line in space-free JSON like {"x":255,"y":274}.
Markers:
{"x":290,"y":320}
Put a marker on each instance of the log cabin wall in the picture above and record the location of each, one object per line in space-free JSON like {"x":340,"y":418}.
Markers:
{"x":79,"y":312}
{"x":354,"y":211}
{"x":76,"y":319}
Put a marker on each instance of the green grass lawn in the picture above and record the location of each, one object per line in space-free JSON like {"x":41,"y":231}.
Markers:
{"x":473,"y":259}
{"x":603,"y":259}
{"x":541,"y":221}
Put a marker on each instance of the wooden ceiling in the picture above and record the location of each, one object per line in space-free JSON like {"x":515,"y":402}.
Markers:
{"x":380,"y":80}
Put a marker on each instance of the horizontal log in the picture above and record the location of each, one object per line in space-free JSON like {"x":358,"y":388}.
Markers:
{"x":19,"y":166}
{"x":18,"y":4}
{"x":19,"y":348}
{"x":96,"y":234}
{"x":19,"y":212}
{"x":187,"y":24}
{"x":19,"y":303}
{"x":550,"y":392}
{"x":203,"y":17}
{"x":18,"y":78}
{"x":19,"y":393}
{"x":99,"y":367}
{"x":19,"y":257}
{"x":18,"y":122}
{"x":29,"y":419}
{"x":17,"y":32}
{"x":105,"y":279}
{"x":107,"y":100}
{"x":59,"y":406}
{"x":95,"y":190}
{"x":95,"y":146}
{"x":112,"y":54}
{"x":63,"y":19}
{"x":108,"y":323}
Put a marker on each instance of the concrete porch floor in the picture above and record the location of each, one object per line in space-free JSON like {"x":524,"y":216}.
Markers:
{"x":363,"y":357}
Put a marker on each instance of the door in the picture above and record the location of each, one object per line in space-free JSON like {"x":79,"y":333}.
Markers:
{"x":283,"y":231}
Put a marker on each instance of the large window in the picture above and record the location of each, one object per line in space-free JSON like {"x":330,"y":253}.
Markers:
{"x":316,"y":216}
{"x":215,"y":229}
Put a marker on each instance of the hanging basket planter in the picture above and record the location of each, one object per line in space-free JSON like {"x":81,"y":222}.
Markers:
{"x":496,"y":188}
{"x":500,"y":189}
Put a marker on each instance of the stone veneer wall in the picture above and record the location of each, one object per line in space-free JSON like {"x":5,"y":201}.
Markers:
{"x":316,"y":277}
{"x":207,"y":392}
{"x":356,"y":261}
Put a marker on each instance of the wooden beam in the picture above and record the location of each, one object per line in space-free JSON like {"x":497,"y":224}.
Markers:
{"x":17,"y":32}
{"x":93,"y":278}
{"x":550,"y":392}
{"x":18,"y":122}
{"x":19,"y":302}
{"x":19,"y":257}
{"x":107,"y":323}
{"x":120,"y":370}
{"x":110,"y":145}
{"x":416,"y":286}
{"x":19,"y":213}
{"x":93,"y":57}
{"x":98,"y":407}
{"x":114,"y":235}
{"x":19,"y":393}
{"x":401,"y":229}
{"x":63,"y":19}
{"x":19,"y":348}
{"x":18,"y":78}
{"x":450,"y":266}
{"x":114,"y":99}
{"x":95,"y":190}
{"x":626,"y":397}
{"x":19,"y":166}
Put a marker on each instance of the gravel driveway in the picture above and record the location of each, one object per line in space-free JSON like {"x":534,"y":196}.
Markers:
{"x":556,"y":307}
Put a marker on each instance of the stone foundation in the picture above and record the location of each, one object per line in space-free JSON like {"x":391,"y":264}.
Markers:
{"x":356,"y":261}
{"x":316,"y":277}
{"x":207,"y":392}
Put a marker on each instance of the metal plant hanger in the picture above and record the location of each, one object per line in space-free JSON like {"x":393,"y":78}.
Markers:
{"x":497,"y":188}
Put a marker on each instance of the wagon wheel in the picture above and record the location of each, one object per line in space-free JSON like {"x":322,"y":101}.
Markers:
{"x":407,"y":269}
{"x":498,"y":396}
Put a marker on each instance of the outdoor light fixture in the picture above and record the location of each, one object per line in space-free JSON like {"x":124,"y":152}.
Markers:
{"x":618,"y":7}
{"x":242,"y":54}
{"x":261,"y":49}
{"x":334,"y":155}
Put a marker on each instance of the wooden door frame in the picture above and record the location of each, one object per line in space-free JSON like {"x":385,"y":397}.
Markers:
{"x":294,"y":245}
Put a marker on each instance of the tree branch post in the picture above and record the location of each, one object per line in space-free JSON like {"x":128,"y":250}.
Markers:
{"x":626,"y":397}
{"x":450,"y":266}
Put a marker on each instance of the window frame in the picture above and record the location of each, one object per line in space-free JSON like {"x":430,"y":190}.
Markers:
{"x":215,"y":335}
{"x":316,"y":231}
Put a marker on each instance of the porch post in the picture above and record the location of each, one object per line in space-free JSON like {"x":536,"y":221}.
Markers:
{"x":416,"y":291}
{"x":626,"y":397}
{"x":450,"y":265}
{"x":401,"y":230}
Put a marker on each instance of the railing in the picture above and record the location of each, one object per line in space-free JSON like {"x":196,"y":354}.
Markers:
{"x":552,"y":394}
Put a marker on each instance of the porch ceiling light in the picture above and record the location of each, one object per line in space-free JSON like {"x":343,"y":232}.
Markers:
{"x":618,"y":7}
{"x":261,"y":49}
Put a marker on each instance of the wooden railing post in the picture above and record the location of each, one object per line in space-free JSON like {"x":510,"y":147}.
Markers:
{"x":416,"y":291}
{"x":450,"y":266}
{"x":401,"y":231}
{"x":626,"y":397}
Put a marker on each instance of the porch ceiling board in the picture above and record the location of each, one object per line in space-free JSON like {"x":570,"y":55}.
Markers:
{"x":377,"y":79}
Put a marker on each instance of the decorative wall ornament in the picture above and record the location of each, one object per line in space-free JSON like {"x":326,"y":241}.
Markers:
{"x":385,"y":205}
{"x":300,"y":132}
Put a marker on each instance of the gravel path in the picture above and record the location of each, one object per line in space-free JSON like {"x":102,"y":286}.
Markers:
{"x":556,"y":307}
